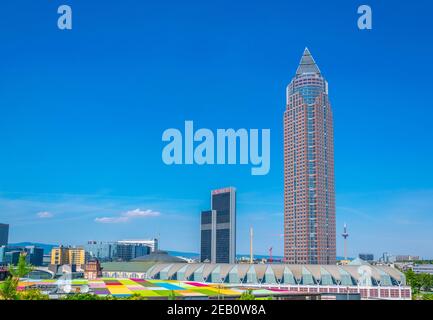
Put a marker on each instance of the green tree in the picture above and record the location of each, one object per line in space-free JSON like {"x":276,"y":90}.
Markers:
{"x":136,"y":296}
{"x":426,"y":281}
{"x":247,"y":295}
{"x":172,"y":295}
{"x":32,"y":295}
{"x":82,"y":296}
{"x":21,"y":269}
{"x":427,"y":297}
{"x":8,"y":290}
{"x":413,"y":280}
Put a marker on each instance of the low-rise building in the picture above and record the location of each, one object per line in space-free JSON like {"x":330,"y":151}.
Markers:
{"x":358,"y":278}
{"x":103,"y":251}
{"x":124,"y":250}
{"x":406,"y":258}
{"x":127,"y":252}
{"x":151,"y":243}
{"x":423,"y":268}
{"x":92,"y":270}
{"x":11,"y":254}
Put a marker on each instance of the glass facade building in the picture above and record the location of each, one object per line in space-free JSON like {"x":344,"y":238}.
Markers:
{"x":103,"y":251}
{"x":4,"y":234}
{"x":218,"y":228}
{"x":10,"y":255}
{"x":206,"y":236}
{"x":127,"y":252}
{"x":309,"y":197}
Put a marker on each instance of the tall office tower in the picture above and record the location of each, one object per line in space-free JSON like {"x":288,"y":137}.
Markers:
{"x":207,"y":233}
{"x":218,"y":228}
{"x":4,"y":234}
{"x":309,"y":196}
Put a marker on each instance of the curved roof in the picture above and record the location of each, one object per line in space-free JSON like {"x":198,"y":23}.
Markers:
{"x":159,"y":256}
{"x":359,"y":273}
{"x":138,"y":266}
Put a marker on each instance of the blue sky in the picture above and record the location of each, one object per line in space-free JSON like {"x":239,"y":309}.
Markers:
{"x":82,"y":113}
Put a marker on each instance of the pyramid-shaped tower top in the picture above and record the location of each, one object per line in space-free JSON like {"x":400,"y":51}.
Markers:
{"x":307,"y":64}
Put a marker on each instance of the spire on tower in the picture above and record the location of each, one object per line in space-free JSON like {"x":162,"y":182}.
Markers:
{"x":345,"y":235}
{"x":307,"y":64}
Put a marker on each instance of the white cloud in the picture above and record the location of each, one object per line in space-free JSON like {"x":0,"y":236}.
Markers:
{"x":44,"y":215}
{"x":128,"y":216}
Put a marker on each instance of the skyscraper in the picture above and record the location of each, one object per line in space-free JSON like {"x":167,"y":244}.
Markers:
{"x":309,"y":196}
{"x":4,"y":234}
{"x":218,"y":228}
{"x":207,"y":236}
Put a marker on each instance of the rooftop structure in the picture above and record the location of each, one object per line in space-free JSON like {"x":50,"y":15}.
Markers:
{"x":371,"y":282}
{"x":159,"y":256}
{"x":157,"y":289}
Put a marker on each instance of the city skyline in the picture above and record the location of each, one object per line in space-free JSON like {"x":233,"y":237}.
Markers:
{"x":84,"y":152}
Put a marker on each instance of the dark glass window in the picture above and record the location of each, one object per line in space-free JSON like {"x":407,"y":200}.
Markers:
{"x":206,"y":245}
{"x":222,"y":245}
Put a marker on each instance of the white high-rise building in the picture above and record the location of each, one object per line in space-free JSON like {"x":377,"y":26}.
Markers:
{"x":152,"y":243}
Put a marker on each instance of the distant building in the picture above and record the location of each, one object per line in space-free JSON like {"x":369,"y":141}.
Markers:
{"x":59,"y":256}
{"x":366,"y":257}
{"x":3,"y":272}
{"x":218,"y":228}
{"x":92,"y":270}
{"x":11,"y":254}
{"x":103,"y":251}
{"x":34,"y":255}
{"x":4,"y":234}
{"x":387,"y":258}
{"x":151,"y":243}
{"x":77,"y":256}
{"x":159,"y":256}
{"x":68,"y":255}
{"x":127,"y":252}
{"x":46,"y":260}
{"x":12,"y":257}
{"x":406,"y":258}
{"x":124,"y":250}
{"x":3,"y":251}
{"x":423,"y":268}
